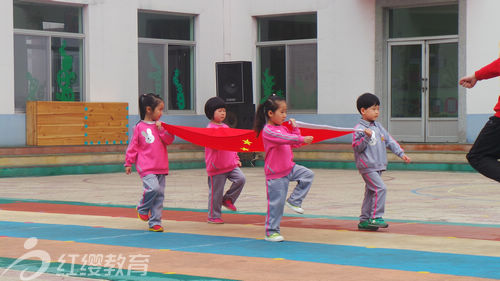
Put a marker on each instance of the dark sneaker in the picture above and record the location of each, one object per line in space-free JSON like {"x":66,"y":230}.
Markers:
{"x":365,"y":225}
{"x":156,"y":228}
{"x":378,"y":222}
{"x":228,"y":204}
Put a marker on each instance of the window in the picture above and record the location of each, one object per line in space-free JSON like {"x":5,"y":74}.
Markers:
{"x":423,"y":21}
{"x":287,"y":50}
{"x":166,"y":58}
{"x":48,"y":53}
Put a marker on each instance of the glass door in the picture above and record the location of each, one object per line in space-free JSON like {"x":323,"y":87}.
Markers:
{"x":407,"y":108}
{"x":423,"y":91}
{"x":442,"y":91}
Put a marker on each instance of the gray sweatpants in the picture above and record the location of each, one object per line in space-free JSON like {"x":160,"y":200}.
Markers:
{"x":375,"y":192}
{"x":216,"y":189}
{"x":152,"y":198}
{"x":277,"y":190}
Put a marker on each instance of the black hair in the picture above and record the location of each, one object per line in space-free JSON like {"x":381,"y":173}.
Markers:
{"x":367,"y":100}
{"x":271,"y":104}
{"x":212,"y":105}
{"x":151,"y":100}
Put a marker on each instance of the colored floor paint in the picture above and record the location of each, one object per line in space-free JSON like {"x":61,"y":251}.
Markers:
{"x":417,"y":261}
{"x":484,"y":232}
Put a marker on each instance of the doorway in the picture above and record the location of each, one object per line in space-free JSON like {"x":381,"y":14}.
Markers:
{"x":423,"y":89}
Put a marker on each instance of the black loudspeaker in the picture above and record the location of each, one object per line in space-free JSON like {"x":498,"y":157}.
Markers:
{"x":234,"y":82}
{"x":240,"y":115}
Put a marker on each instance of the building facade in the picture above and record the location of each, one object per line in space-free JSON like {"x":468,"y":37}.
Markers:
{"x":320,"y":55}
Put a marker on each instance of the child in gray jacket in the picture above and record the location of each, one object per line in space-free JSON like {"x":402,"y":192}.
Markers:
{"x":371,"y":160}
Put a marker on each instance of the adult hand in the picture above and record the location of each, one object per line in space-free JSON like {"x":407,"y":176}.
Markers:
{"x":468,"y":81}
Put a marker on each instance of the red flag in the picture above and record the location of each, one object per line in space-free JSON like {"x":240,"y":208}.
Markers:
{"x":241,"y":140}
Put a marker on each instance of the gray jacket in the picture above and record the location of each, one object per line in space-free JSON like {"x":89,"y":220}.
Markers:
{"x":370,"y":153}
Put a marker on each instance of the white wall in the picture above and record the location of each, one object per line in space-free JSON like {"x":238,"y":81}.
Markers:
{"x":112,"y":52}
{"x":482,"y":47}
{"x":7,"y":58}
{"x":346,"y":54}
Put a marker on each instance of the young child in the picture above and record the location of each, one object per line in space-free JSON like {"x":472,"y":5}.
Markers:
{"x":279,"y":166}
{"x":148,"y":151}
{"x":371,"y":159}
{"x":221,"y":165}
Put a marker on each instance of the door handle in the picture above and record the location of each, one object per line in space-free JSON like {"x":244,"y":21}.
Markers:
{"x":424,"y":84}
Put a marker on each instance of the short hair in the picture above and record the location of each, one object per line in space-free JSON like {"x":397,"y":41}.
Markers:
{"x":212,"y":105}
{"x":367,"y":100}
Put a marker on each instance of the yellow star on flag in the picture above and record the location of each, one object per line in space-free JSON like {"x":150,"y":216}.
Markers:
{"x":247,"y":142}
{"x":244,"y":149}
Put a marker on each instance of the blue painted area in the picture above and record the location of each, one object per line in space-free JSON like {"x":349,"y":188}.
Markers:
{"x":475,"y":122}
{"x":406,"y":260}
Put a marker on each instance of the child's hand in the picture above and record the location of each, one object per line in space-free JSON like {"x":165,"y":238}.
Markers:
{"x":406,"y":158}
{"x":128,"y":170}
{"x":292,"y":121}
{"x":239,"y":163}
{"x":368,"y":132}
{"x":158,"y":125}
{"x":308,"y":139}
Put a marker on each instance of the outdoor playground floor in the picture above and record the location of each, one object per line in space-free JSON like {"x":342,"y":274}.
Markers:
{"x":443,"y":226}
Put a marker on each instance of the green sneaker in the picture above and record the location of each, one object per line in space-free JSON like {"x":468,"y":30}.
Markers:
{"x":365,"y":225}
{"x":275,"y":237}
{"x":378,"y":222}
{"x":296,"y":209}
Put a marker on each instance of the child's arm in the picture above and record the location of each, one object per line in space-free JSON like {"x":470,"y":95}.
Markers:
{"x":282,"y":136}
{"x":296,"y":131}
{"x":131,"y":153}
{"x":394,"y":146}
{"x":360,"y":140}
{"x":165,"y":136}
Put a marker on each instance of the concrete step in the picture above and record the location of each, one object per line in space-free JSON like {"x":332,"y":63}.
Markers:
{"x":419,"y":153}
{"x":27,"y":161}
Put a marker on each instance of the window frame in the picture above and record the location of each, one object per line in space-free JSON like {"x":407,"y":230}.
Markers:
{"x":51,"y":34}
{"x":286,"y":44}
{"x":165,"y":43}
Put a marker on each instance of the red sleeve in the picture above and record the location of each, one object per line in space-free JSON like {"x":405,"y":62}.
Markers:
{"x":489,"y":71}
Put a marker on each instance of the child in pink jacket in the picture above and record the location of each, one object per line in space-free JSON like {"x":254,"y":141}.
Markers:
{"x":148,"y":151}
{"x":278,"y":165}
{"x":221,"y":165}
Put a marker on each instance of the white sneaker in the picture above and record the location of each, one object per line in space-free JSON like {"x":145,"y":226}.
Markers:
{"x":275,"y":237}
{"x":295,"y":208}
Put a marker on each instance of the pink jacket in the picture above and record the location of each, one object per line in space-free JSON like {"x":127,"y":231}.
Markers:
{"x":148,"y":149}
{"x":220,"y":161}
{"x":278,"y":142}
